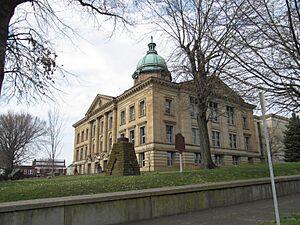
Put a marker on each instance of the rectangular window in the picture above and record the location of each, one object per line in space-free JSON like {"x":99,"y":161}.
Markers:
{"x":236,"y":160}
{"x":250,"y":160}
{"x":247,"y":143}
{"x":169,"y":134}
{"x":168,"y":106}
{"x":123,"y":117}
{"x":230,"y":114}
{"x":87,"y":134}
{"x":142,"y":159}
{"x":232,"y":140}
{"x":215,"y":138}
{"x":195,"y":136}
{"x":81,"y":153}
{"x":86,"y":151}
{"x":78,"y":138}
{"x":77,"y":155}
{"x":170,"y":158}
{"x":213,"y":111}
{"x":218,"y":160}
{"x":197,"y":158}
{"x":142,"y":135}
{"x":194,"y":107}
{"x":131,"y":136}
{"x":131,"y":113}
{"x":142,"y":108}
{"x":245,"y":122}
{"x":82,"y":136}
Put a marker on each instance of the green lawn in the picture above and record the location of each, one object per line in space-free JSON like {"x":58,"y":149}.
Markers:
{"x":288,"y":220}
{"x":91,"y":184}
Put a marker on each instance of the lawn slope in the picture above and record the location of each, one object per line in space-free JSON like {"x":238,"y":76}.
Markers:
{"x":92,"y":184}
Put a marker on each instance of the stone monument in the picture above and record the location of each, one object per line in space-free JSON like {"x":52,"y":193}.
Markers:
{"x":122,"y":160}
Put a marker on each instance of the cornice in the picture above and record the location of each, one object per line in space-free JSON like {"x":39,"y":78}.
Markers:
{"x":144,"y":84}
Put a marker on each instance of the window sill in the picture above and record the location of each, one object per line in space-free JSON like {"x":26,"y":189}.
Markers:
{"x":169,"y":114}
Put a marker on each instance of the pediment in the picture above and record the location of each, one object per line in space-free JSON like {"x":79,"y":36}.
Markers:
{"x":99,"y":100}
{"x":221,"y":90}
{"x":218,"y":89}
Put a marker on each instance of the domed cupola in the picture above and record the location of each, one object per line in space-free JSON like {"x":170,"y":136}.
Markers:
{"x":151,"y":64}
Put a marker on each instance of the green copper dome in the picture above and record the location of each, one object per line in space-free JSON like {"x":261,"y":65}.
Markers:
{"x":151,"y":62}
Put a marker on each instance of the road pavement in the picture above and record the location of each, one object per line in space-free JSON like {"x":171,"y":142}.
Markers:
{"x":251,"y":213}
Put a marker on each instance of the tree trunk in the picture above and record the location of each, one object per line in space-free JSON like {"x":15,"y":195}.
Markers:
{"x":6,"y":12}
{"x":10,"y":163}
{"x":53,"y":158}
{"x":204,"y":139}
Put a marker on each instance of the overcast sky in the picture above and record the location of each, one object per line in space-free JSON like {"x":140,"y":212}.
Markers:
{"x":101,"y":65}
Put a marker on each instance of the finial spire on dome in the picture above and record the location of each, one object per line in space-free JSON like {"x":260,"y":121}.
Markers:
{"x":151,"y":46}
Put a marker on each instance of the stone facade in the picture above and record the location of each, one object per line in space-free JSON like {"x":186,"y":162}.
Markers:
{"x":152,"y":112}
{"x":276,"y":126}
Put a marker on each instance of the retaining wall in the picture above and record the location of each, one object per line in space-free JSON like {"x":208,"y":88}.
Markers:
{"x":118,"y":207}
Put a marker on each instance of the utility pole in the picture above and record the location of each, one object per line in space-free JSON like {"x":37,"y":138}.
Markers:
{"x":263,"y":110}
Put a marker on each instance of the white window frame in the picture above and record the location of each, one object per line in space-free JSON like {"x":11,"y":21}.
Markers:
{"x":236,"y":160}
{"x":215,"y":138}
{"x":123,"y":117}
{"x":131,"y":113}
{"x":197,"y":158}
{"x":168,"y":106}
{"x":169,"y":136}
{"x":232,"y":141}
{"x":131,"y":139}
{"x":247,"y":140}
{"x":142,"y":107}
{"x":142,"y":159}
{"x":218,"y":159}
{"x":231,"y":115}
{"x":142,"y":135}
{"x":170,"y":158}
{"x":195,"y":136}
{"x":245,"y":122}
{"x":213,"y":106}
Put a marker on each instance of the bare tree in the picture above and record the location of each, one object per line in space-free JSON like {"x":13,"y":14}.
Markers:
{"x":267,"y":52}
{"x":198,"y":30}
{"x":53,"y":138}
{"x":20,"y":136}
{"x":28,"y":62}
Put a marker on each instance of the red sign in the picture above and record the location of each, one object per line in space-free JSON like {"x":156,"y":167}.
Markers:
{"x":179,"y":143}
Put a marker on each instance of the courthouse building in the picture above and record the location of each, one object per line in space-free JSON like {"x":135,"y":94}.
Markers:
{"x":276,"y":125}
{"x":150,"y":114}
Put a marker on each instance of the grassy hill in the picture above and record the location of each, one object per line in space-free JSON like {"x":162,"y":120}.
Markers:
{"x":92,"y":184}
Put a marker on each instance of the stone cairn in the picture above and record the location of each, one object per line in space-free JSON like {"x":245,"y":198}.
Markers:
{"x":122,"y":160}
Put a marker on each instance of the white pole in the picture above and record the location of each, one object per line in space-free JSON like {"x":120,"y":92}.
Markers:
{"x":263,"y":109}
{"x":180,"y":158}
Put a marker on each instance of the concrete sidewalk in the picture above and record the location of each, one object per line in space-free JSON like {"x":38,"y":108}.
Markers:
{"x":252,"y":213}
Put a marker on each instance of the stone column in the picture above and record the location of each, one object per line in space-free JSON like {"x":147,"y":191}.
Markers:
{"x":96,"y":150}
{"x":90,"y":138}
{"x":105,"y":133}
{"x":114,"y":125}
